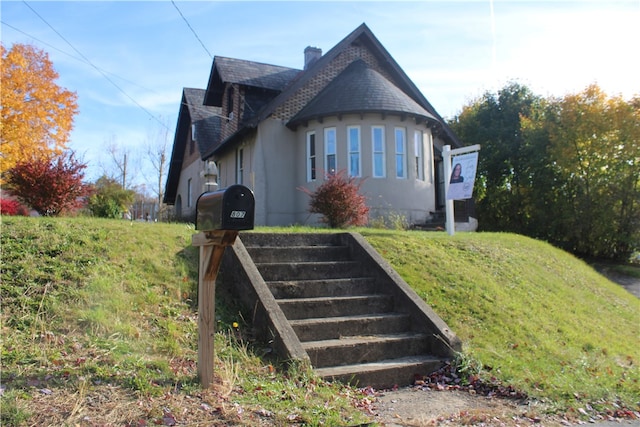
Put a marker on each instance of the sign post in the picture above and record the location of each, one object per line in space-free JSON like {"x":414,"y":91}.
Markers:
{"x":447,"y":154}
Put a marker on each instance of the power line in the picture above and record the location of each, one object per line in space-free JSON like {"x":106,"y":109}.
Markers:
{"x":205,"y":109}
{"x":192,"y":30}
{"x":73,"y":56}
{"x":88,"y":61}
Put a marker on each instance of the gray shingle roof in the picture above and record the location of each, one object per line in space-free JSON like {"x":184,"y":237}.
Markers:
{"x":254,"y":74}
{"x":360,"y":89}
{"x":206,"y":119}
{"x":207,"y":122}
{"x":193,"y":99}
{"x":276,"y":85}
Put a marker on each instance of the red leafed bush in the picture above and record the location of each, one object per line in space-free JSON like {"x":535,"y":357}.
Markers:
{"x":12,"y":207}
{"x":339,"y":202}
{"x":51,"y":186}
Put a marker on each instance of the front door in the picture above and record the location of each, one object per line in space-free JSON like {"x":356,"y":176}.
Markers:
{"x":440,"y":183}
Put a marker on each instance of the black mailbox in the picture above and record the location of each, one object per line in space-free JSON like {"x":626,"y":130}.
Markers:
{"x":230,"y":208}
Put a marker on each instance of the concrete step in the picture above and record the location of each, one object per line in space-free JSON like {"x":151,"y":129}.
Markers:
{"x":384,"y":373}
{"x":322,"y":287}
{"x":337,"y":327}
{"x":304,"y":308}
{"x":364,"y":349}
{"x":251,"y":240}
{"x":271,"y":254}
{"x":343,"y":309}
{"x":278,"y":271}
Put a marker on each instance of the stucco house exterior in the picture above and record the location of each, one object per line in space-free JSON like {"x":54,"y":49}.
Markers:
{"x":276,"y":129}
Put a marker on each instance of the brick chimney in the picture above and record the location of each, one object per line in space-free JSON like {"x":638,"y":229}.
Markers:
{"x":311,"y":55}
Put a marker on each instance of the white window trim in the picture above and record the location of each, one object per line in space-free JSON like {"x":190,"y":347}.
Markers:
{"x":373,"y":153}
{"x":397,"y":153}
{"x":312,"y":169}
{"x":418,"y":147}
{"x":240,"y":165}
{"x":358,"y":152}
{"x":189,"y":193}
{"x":327,"y":131}
{"x":430,"y":165}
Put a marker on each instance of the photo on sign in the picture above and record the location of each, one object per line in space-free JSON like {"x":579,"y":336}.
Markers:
{"x":463,"y":176}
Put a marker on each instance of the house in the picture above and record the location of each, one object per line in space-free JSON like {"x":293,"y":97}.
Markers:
{"x":276,"y":129}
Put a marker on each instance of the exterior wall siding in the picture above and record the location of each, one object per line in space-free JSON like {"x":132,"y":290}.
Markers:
{"x":190,"y":171}
{"x":191,"y":153}
{"x":410,"y":197}
{"x":275,"y":162}
{"x":269,"y":171}
{"x":278,"y":171}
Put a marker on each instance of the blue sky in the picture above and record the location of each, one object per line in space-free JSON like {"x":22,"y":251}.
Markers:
{"x":141,"y":54}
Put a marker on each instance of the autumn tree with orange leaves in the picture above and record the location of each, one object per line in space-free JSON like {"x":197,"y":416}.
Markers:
{"x":37,"y":114}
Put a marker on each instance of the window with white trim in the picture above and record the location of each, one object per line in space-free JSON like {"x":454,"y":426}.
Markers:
{"x":230,"y":96}
{"x":418,"y":150}
{"x":189,"y":193}
{"x":401,"y":152}
{"x":330,"y":161}
{"x":311,"y":156}
{"x":353,"y":144}
{"x":239,"y":165}
{"x":377,"y":149}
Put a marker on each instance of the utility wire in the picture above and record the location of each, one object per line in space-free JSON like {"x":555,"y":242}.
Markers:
{"x":192,"y":30}
{"x":206,"y":109}
{"x":73,"y":56}
{"x":96,"y":68}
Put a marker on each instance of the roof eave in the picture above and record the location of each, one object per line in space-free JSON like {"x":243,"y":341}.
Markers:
{"x":213,"y":96}
{"x":419,"y":118}
{"x":175,"y":163}
{"x":228,"y":143}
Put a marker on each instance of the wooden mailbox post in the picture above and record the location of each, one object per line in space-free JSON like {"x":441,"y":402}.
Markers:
{"x":220,"y":215}
{"x":212,"y":245}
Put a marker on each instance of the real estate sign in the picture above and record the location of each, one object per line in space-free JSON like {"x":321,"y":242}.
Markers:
{"x":463,"y":176}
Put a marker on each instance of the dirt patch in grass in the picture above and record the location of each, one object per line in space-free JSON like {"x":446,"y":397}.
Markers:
{"x":415,"y":406}
{"x":107,"y":405}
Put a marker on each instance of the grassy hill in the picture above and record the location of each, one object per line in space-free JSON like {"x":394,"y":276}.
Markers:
{"x":99,"y":327}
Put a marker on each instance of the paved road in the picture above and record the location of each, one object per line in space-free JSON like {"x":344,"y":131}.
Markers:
{"x":623,"y":423}
{"x":631,"y":284}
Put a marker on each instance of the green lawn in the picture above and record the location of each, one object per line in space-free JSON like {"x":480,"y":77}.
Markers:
{"x":99,"y":322}
{"x":532,"y":315}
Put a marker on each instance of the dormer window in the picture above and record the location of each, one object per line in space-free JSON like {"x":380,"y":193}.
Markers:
{"x":192,"y":142}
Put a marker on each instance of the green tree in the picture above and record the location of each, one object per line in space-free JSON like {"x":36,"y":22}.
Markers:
{"x":595,"y":145}
{"x":508,"y":159}
{"x":109,"y":199}
{"x":563,"y":170}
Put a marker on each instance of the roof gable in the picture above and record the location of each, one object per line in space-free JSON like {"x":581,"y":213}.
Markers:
{"x":360,"y":89}
{"x":363,"y":36}
{"x":207,"y":120}
{"x":360,"y":37}
{"x":248,"y":73}
{"x":207,"y":123}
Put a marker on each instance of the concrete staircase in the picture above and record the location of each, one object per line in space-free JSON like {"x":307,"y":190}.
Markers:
{"x":350,"y":318}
